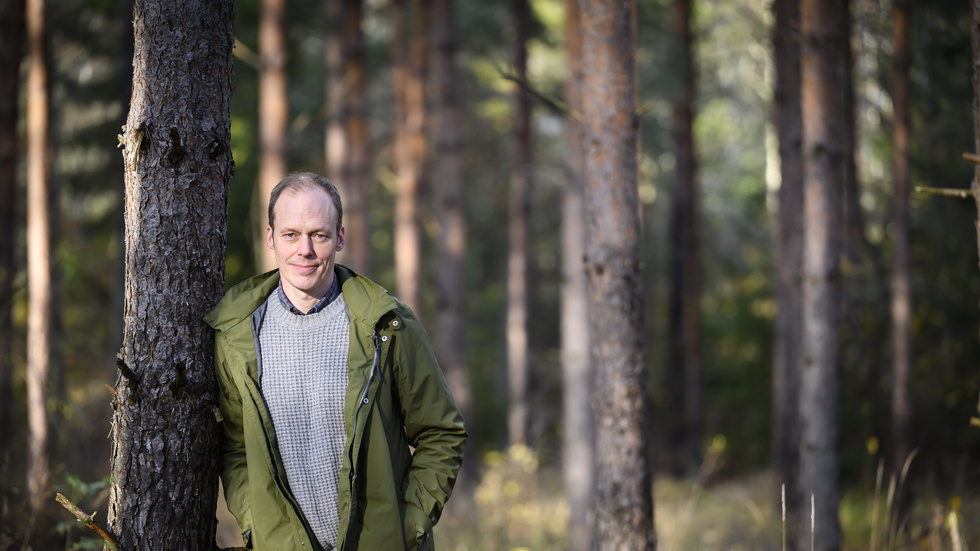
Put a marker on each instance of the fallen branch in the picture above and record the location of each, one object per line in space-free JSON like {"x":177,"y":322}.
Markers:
{"x":87,"y":520}
{"x":972,"y":158}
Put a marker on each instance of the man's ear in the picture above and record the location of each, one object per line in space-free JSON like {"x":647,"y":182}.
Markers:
{"x":268,"y":237}
{"x":340,"y":239}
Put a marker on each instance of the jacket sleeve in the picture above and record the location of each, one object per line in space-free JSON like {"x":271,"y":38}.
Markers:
{"x":433,"y":424}
{"x":234,"y":470}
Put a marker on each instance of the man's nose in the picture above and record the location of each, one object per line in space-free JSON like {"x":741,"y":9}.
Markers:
{"x":305,"y":246}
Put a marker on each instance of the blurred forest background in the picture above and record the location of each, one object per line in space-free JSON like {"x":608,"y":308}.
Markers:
{"x":516,"y":498}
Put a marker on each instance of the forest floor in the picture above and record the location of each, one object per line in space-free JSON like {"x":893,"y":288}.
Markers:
{"x":520,"y":506}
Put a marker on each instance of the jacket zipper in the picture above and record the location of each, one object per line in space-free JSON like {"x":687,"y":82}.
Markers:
{"x":350,"y":452}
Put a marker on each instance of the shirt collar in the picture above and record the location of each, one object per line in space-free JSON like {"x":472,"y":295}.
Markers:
{"x":332,"y":294}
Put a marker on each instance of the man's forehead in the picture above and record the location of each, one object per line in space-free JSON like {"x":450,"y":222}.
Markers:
{"x":305,"y":204}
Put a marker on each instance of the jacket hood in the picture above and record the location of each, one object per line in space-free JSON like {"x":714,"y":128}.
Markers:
{"x":240,"y":301}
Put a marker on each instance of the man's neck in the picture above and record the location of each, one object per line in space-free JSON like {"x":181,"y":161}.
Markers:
{"x":302,"y":303}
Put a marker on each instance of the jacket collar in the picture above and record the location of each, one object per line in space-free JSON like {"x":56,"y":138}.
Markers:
{"x":368,"y":301}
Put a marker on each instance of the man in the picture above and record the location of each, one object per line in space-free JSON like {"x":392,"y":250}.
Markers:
{"x":326,"y":383}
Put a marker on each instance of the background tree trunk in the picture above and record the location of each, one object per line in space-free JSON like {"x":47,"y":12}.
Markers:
{"x":789,"y":257}
{"x":273,"y":120}
{"x":578,"y":436}
{"x":451,"y":321}
{"x":163,"y":492}
{"x":12,"y":25}
{"x":347,"y":138}
{"x":821,"y":268}
{"x":685,"y":301}
{"x":38,"y":257}
{"x":409,"y":56}
{"x":518,"y":370}
{"x":975,"y":39}
{"x":624,"y":504}
{"x":901,"y":303}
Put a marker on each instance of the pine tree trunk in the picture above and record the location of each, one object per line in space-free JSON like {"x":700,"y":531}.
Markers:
{"x":450,"y":340}
{"x":178,"y":166}
{"x":39,"y":279}
{"x":12,"y":27}
{"x":409,"y":55}
{"x":789,"y":258}
{"x":975,"y":39}
{"x":685,"y":265}
{"x":273,"y":120}
{"x":518,"y":370}
{"x":347,"y":138}
{"x":624,"y":504}
{"x":821,"y":269}
{"x":901,"y":303}
{"x":578,"y":436}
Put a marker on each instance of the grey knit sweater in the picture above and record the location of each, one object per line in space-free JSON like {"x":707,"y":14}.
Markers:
{"x":304,"y":379}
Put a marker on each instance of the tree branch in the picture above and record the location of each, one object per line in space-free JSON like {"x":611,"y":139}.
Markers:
{"x":125,"y":370}
{"x":87,"y":520}
{"x":554,"y":103}
{"x":948,"y":192}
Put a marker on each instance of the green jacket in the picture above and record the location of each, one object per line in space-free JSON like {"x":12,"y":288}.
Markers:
{"x":397,"y":397}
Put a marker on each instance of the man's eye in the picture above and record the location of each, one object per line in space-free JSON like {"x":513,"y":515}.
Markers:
{"x":321,"y":236}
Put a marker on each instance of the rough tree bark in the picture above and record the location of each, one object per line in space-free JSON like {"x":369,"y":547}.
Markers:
{"x":178,"y":166}
{"x":624,"y":504}
{"x":821,"y":269}
{"x":578,"y":436}
{"x":347,"y":138}
{"x":39,"y":279}
{"x":273,"y":120}
{"x":901,"y":300}
{"x":518,"y":369}
{"x":409,"y":55}
{"x":685,"y":300}
{"x":450,"y":340}
{"x":12,"y":26}
{"x":788,"y":121}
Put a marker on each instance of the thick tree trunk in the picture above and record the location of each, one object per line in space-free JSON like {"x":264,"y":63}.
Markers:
{"x":789,"y":257}
{"x":821,"y":269}
{"x":178,"y":166}
{"x":273,"y":120}
{"x":12,"y":26}
{"x":450,"y":340}
{"x":685,"y":266}
{"x":39,"y":279}
{"x":901,"y":303}
{"x":624,"y":504}
{"x":518,"y":370}
{"x":347,"y":138}
{"x":409,"y":55}
{"x":578,"y":436}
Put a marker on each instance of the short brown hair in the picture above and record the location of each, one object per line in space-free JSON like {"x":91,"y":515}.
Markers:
{"x":304,"y":181}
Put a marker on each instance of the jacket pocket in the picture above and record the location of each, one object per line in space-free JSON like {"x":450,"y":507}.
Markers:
{"x":418,"y":529}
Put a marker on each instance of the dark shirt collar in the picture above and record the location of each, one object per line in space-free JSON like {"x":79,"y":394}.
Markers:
{"x":332,"y":294}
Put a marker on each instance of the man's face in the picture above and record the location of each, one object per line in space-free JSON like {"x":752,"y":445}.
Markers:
{"x":306,"y":242}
